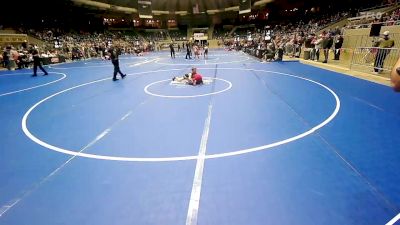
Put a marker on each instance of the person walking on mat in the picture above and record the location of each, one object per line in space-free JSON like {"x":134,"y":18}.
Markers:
{"x":114,"y":53}
{"x":172,"y":50}
{"x":36,"y":63}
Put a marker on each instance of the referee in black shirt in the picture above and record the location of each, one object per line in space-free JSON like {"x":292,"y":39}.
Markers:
{"x":188,"y":51}
{"x":36,"y":63}
{"x":114,"y":53}
{"x":172,"y":50}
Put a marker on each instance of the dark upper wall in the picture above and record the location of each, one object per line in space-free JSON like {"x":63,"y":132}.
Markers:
{"x":66,"y":15}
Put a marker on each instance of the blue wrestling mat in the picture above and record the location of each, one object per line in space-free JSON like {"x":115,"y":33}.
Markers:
{"x":258,"y":144}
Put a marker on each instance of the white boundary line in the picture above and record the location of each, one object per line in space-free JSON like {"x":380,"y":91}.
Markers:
{"x":194,"y":203}
{"x":302,"y":135}
{"x":200,"y":64}
{"x":144,"y":62}
{"x":210,"y":53}
{"x":146,"y":89}
{"x":95,"y":61}
{"x":394,"y":220}
{"x":6,"y":208}
{"x":168,"y":159}
{"x":54,"y":66}
{"x":27,"y":89}
{"x":79,"y":67}
{"x":201,"y":58}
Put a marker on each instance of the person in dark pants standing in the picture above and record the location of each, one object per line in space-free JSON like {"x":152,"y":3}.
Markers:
{"x":206,"y":51}
{"x":6,"y":58}
{"x":326,"y":45}
{"x":188,"y":51}
{"x":338,"y":46}
{"x":114,"y":53}
{"x":36,"y":63}
{"x":171,"y":47}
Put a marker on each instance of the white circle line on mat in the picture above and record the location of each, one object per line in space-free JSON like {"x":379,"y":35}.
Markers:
{"x":37,"y":86}
{"x":182,"y":158}
{"x":146,"y":89}
{"x":107,"y":63}
{"x":200,"y":64}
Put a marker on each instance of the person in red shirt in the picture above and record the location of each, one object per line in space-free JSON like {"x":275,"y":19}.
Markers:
{"x":196,"y":78}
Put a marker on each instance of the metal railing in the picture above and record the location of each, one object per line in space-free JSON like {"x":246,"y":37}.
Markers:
{"x":368,"y":25}
{"x":364,"y":40}
{"x":375,"y":59}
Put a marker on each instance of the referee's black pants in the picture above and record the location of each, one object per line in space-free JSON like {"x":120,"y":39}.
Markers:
{"x":116,"y":68}
{"x":35,"y":66}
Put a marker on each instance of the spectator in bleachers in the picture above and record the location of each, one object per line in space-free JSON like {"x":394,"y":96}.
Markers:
{"x":338,"y":45}
{"x":318,"y":46}
{"x":384,"y":45}
{"x":7,"y":58}
{"x":1,"y":59}
{"x":327,"y":45}
{"x":309,"y":45}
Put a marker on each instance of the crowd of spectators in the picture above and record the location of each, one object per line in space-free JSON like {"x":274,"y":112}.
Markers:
{"x":20,"y":57}
{"x":60,"y":47}
{"x":159,"y":35}
{"x":311,"y":38}
{"x":268,"y":43}
{"x":221,"y":32}
{"x":178,"y":35}
{"x":271,"y":43}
